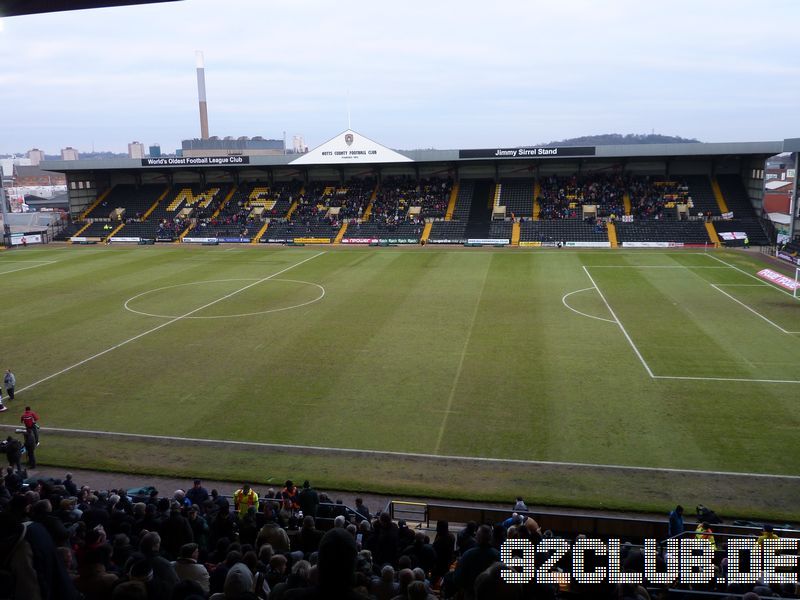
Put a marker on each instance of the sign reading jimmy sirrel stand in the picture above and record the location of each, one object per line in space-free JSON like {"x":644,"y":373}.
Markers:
{"x":351,"y":148}
{"x":528,"y":152}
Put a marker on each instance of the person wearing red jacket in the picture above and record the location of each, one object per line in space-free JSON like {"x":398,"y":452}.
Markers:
{"x":31,"y":421}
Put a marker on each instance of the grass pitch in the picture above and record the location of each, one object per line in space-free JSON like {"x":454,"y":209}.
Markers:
{"x":678,"y":360}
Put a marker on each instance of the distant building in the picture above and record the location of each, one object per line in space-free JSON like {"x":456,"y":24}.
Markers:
{"x":31,"y":176}
{"x":243,"y":146}
{"x":135,"y":150}
{"x":154,"y":151}
{"x":69,"y":153}
{"x":779,"y":175}
{"x":298,"y":145}
{"x":36,"y":156}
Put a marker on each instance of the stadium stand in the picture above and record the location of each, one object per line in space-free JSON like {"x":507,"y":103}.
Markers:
{"x":517,"y":196}
{"x":466,"y":189}
{"x":275,"y":199}
{"x":68,"y":231}
{"x":702,"y":195}
{"x":448,"y":232}
{"x":744,"y":217}
{"x":563,"y":197}
{"x":408,"y":231}
{"x":195,"y":201}
{"x":134,"y":200}
{"x":321,"y":211}
{"x":317,"y":211}
{"x":551,"y":232}
{"x":99,"y":229}
{"x":500,"y":230}
{"x":654,"y":197}
{"x":683,"y":232}
{"x":251,"y":544}
{"x":480,"y":210}
{"x":399,"y":194}
{"x":146,"y":230}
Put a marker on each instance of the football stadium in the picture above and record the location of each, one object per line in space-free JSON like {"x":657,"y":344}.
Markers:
{"x":604,"y":331}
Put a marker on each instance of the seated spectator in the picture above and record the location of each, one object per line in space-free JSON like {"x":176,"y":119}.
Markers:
{"x":187,"y":567}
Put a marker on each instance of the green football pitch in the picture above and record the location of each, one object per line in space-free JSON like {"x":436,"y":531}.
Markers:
{"x":680,"y":362}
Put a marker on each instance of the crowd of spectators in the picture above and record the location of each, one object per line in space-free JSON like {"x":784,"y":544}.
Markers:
{"x":352,"y":201}
{"x":232,"y":220}
{"x":398,"y":194}
{"x":562,"y":197}
{"x":171,"y":228}
{"x":62,"y":541}
{"x":650,"y":196}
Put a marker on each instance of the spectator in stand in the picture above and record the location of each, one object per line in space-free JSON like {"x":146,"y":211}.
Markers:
{"x":30,"y":447}
{"x":308,"y":499}
{"x":244,"y":498}
{"x":309,"y":538}
{"x":176,"y":532}
{"x":197,"y":494}
{"x":69,"y":485}
{"x":362,"y":509}
{"x":31,"y":422}
{"x":93,"y":581}
{"x":10,"y":382}
{"x":289,"y":494}
{"x":298,"y":579}
{"x":187,"y":567}
{"x":384,"y":540}
{"x":13,"y":450}
{"x":421,"y":553}
{"x":336,"y":570}
{"x":475,"y":561}
{"x":676,"y":522}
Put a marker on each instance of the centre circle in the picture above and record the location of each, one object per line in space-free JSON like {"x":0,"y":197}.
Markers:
{"x":319,"y":294}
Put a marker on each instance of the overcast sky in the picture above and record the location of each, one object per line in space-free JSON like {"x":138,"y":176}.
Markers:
{"x":441,"y":74}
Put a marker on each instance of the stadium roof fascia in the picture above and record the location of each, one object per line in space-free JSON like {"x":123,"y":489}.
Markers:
{"x":17,"y":8}
{"x":633,"y":151}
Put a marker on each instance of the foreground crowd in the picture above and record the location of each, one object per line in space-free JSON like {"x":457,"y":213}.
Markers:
{"x":61,"y":541}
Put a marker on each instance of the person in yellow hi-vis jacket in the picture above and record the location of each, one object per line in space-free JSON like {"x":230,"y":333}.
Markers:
{"x":766,"y":534}
{"x":704,"y":532}
{"x":243,"y":499}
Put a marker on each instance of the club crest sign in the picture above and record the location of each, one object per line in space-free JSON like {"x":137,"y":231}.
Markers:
{"x":348,"y":147}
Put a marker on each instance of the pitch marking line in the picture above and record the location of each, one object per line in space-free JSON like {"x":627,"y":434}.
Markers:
{"x":687,"y":378}
{"x":166,"y":323}
{"x":752,"y":276}
{"x":752,"y":310}
{"x":564,"y":302}
{"x":624,"y":332}
{"x":396,"y":454}
{"x":449,"y":408}
{"x":40,"y":263}
{"x":251,"y":314}
{"x":653,"y":267}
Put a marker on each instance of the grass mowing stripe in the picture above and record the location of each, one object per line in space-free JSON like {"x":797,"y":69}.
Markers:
{"x":165,"y":324}
{"x":390,"y":453}
{"x":467,"y":338}
{"x":755,"y":312}
{"x":625,"y":333}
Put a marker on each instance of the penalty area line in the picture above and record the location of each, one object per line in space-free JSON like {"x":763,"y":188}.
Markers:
{"x":165,"y":324}
{"x":622,"y":328}
{"x":395,"y":454}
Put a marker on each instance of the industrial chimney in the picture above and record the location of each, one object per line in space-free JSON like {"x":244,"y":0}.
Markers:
{"x":201,"y":95}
